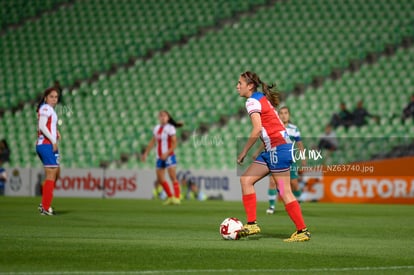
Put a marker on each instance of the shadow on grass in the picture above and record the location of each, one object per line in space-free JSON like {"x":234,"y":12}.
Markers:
{"x":266,"y":236}
{"x":62,"y":212}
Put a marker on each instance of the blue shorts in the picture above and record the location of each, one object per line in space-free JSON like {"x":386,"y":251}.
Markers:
{"x":170,"y":161}
{"x":47,"y":156}
{"x":277,"y":160}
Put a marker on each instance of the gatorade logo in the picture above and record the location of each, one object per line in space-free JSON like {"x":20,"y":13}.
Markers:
{"x":370,"y":188}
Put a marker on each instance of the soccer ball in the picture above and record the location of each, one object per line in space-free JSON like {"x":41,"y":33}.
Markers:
{"x":230,"y":228}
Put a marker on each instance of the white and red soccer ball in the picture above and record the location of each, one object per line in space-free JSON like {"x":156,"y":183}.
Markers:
{"x":230,"y":228}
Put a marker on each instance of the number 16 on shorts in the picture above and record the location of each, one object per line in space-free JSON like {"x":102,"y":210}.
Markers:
{"x":273,"y":157}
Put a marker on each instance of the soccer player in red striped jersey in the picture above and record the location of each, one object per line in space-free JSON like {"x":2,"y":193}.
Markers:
{"x":276,"y":159}
{"x":164,"y":137}
{"x":47,"y":147}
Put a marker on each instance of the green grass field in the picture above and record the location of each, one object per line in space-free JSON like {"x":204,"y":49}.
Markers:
{"x":104,"y":236}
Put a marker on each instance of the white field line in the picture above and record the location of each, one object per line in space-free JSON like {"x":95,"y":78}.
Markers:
{"x":189,"y":271}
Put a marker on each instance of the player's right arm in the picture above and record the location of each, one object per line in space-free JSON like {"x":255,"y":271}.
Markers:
{"x":149,"y":147}
{"x":258,"y":151}
{"x":254,"y":109}
{"x":254,"y":135}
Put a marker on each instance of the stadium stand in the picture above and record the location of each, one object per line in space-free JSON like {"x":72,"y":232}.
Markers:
{"x":295,"y":41}
{"x":385,"y":87}
{"x":93,"y":36}
{"x":17,"y":11}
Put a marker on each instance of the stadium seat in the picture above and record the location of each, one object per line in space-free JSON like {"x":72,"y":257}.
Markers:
{"x":290,"y":43}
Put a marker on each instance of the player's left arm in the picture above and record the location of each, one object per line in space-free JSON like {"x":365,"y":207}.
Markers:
{"x":254,"y":135}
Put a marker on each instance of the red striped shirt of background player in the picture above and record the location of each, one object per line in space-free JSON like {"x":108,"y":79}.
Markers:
{"x":164,"y":138}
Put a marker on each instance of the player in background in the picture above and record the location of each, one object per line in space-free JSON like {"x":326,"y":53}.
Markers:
{"x":294,"y":135}
{"x":47,"y":146}
{"x":164,"y":136}
{"x":276,"y":158}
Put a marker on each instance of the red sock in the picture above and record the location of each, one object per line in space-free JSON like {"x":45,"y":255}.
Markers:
{"x":47,"y":193}
{"x":295,"y":214}
{"x":177,"y":191}
{"x":167,"y":189}
{"x":249,"y":202}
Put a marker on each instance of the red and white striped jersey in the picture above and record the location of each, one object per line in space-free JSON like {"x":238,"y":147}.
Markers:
{"x":52,"y":120}
{"x":163,"y":135}
{"x":273,"y":131}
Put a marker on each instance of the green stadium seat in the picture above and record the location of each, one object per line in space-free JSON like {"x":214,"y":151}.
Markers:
{"x":196,"y":81}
